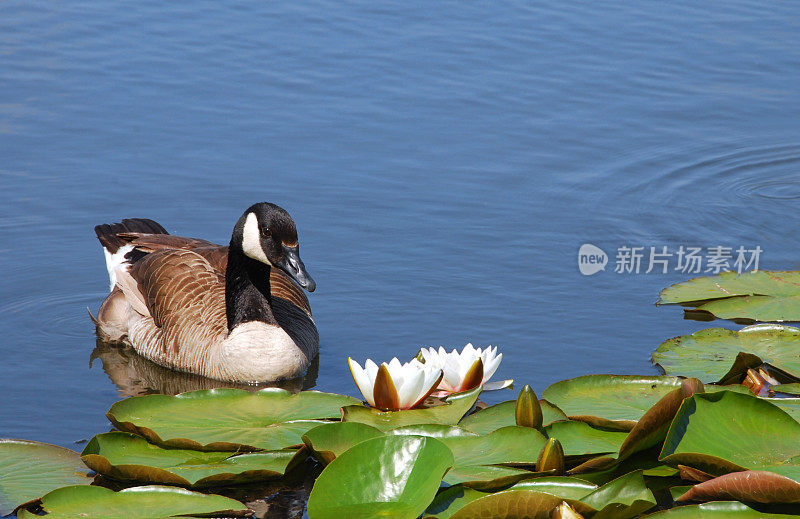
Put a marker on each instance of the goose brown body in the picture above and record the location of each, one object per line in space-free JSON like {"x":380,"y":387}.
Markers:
{"x":195,"y":306}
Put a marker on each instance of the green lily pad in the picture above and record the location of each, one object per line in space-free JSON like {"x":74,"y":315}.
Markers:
{"x":511,"y":445}
{"x":581,"y":439}
{"x":433,"y":430}
{"x":149,"y":502}
{"x":790,"y":405}
{"x":566,"y":487}
{"x":716,"y":510}
{"x":767,"y":296}
{"x":725,"y":432}
{"x":227,"y":419}
{"x":30,"y":469}
{"x":609,"y":401}
{"x":709,"y":354}
{"x":129,"y":457}
{"x":625,"y":497}
{"x":451,"y":500}
{"x":516,"y":504}
{"x":502,"y":415}
{"x":330,"y":440}
{"x":449,"y":413}
{"x":477,"y":459}
{"x":791,"y":389}
{"x":487,"y":477}
{"x":395,"y":476}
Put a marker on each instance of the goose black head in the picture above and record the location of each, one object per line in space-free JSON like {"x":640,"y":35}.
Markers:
{"x":267,"y":233}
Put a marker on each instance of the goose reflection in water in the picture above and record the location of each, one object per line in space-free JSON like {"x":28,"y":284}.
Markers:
{"x":134,"y":375}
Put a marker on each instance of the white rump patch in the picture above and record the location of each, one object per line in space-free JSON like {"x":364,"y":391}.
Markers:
{"x":116,"y":261}
{"x":251,"y":240}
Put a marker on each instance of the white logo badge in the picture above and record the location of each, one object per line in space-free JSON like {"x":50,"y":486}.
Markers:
{"x":591,"y":259}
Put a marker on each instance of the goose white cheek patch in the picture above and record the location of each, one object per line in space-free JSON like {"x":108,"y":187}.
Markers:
{"x":251,"y":240}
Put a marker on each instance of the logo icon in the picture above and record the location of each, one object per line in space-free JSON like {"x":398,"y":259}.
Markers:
{"x":591,"y":259}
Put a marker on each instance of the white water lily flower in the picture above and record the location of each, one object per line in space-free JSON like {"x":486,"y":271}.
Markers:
{"x":471,"y":368}
{"x":395,"y":386}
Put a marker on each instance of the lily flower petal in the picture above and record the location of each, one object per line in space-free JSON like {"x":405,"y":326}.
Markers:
{"x":362,"y":380}
{"x":463,"y":370}
{"x":393,"y":386}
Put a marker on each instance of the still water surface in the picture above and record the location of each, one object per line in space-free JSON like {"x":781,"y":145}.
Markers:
{"x":443,"y":162}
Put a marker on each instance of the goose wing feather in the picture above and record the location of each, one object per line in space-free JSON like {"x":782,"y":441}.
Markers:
{"x":185,"y":297}
{"x":281,"y":285}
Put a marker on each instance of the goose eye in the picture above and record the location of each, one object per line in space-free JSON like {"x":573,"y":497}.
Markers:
{"x":265,"y":232}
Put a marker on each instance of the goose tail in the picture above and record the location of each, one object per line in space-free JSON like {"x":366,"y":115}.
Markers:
{"x":118,"y":251}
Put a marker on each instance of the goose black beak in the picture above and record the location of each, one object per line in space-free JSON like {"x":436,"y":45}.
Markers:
{"x":293,"y":265}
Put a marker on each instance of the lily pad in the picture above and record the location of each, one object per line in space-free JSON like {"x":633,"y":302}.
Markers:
{"x":330,"y":440}
{"x":516,"y":503}
{"x":791,"y":389}
{"x":149,"y":502}
{"x":709,"y":354}
{"x":725,"y":432}
{"x":129,"y":457}
{"x":767,"y":296}
{"x":581,"y":439}
{"x":449,"y":501}
{"x":562,"y":486}
{"x":609,"y":401}
{"x":487,"y":477}
{"x":511,"y":445}
{"x":395,"y":476}
{"x":30,"y":469}
{"x":716,"y":510}
{"x":622,"y":498}
{"x":752,"y":486}
{"x":227,"y":419}
{"x":502,"y":415}
{"x":448,"y":413}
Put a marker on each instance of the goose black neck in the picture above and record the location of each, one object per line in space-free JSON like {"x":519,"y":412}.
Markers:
{"x":247,"y":290}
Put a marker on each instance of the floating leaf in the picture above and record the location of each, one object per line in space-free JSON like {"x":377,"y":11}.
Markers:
{"x":503,"y":414}
{"x":330,"y":440}
{"x":516,"y":503}
{"x":395,"y":476}
{"x":752,"y":486}
{"x":227,"y":419}
{"x":725,"y":431}
{"x":709,"y":354}
{"x":624,"y":497}
{"x":450,"y":500}
{"x":511,"y":445}
{"x":150,"y":502}
{"x":30,"y":469}
{"x":450,"y":412}
{"x":129,"y":457}
{"x":487,"y":477}
{"x":609,"y":401}
{"x":433,"y":430}
{"x":791,"y":389}
{"x":768,"y":296}
{"x":581,"y":439}
{"x":565,"y":487}
{"x":718,"y":510}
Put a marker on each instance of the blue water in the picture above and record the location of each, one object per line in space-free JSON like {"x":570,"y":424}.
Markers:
{"x":443,"y":162}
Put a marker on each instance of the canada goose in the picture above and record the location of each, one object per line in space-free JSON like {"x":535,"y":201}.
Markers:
{"x":231,"y":313}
